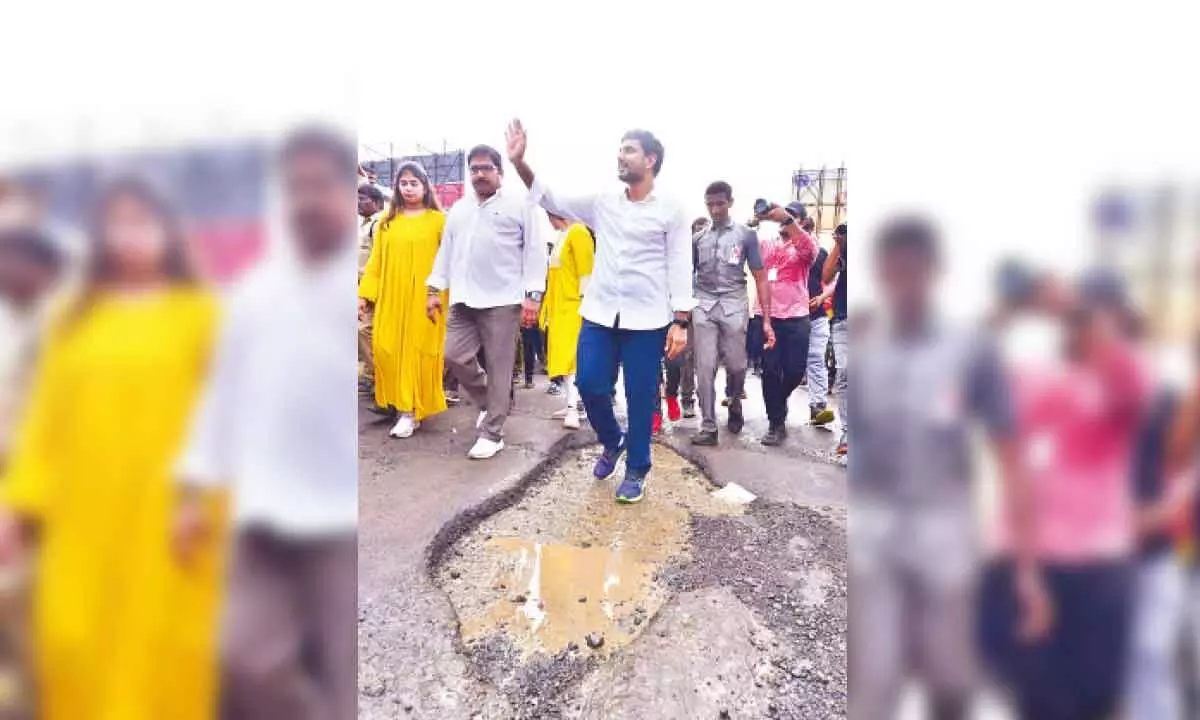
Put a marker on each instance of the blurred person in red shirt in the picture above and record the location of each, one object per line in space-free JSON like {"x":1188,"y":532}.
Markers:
{"x":1077,"y":423}
{"x":922,"y":386}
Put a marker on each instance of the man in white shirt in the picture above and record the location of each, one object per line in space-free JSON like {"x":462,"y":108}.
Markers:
{"x":277,"y":424}
{"x":638,"y":300}
{"x":494,"y":264}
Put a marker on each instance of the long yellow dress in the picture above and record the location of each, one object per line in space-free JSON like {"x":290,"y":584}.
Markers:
{"x":121,"y":631}
{"x":408,"y":348}
{"x":570,"y":261}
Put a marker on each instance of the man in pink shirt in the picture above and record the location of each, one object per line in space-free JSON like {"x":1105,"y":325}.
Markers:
{"x":786,"y":260}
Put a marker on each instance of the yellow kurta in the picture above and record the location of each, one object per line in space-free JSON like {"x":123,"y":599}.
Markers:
{"x":120,"y":630}
{"x":408,"y":348}
{"x":569,"y":262}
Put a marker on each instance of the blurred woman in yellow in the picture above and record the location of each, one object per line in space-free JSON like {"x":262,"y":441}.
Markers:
{"x":408,"y":348}
{"x":120,"y":630}
{"x":566,"y":281}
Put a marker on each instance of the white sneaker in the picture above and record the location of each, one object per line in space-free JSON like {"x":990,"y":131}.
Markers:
{"x":485,"y":449}
{"x":482,"y":417}
{"x":404,"y":427}
{"x":571,"y":419}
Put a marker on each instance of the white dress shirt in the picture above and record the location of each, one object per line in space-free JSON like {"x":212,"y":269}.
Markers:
{"x":492,"y":252}
{"x":277,"y":420}
{"x":643,"y":266}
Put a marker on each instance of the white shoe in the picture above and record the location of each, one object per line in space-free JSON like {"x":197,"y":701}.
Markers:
{"x":404,"y":427}
{"x":482,"y":417}
{"x":485,"y":449}
{"x":571,"y":419}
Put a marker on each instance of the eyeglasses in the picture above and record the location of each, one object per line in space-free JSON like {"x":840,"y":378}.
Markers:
{"x":481,"y":169}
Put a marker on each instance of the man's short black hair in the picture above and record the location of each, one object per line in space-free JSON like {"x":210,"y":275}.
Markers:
{"x":840,"y":230}
{"x":719,"y":187}
{"x":650,"y":146}
{"x":909,"y":233}
{"x":488,"y":151}
{"x":34,"y":245}
{"x":371,"y":191}
{"x":322,"y":140}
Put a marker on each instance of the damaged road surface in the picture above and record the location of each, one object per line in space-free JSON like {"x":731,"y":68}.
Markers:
{"x":540,"y":597}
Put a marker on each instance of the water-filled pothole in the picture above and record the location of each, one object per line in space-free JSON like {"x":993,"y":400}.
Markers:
{"x":566,"y":569}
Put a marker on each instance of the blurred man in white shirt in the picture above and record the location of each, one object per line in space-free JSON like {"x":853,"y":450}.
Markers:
{"x":276,"y":423}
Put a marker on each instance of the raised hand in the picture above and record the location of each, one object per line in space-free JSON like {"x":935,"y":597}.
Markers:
{"x":515,"y":135}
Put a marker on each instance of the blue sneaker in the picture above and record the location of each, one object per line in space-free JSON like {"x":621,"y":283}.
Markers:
{"x":633,"y":487}
{"x":606,"y":464}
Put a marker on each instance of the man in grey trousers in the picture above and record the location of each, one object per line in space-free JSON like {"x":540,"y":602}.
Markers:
{"x":493,"y":261}
{"x":721,"y":255}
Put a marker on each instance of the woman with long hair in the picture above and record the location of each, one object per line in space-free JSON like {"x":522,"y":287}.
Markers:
{"x":119,"y":629}
{"x":408,"y":348}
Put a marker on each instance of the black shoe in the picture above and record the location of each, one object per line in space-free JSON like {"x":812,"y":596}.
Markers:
{"x":705,"y":438}
{"x":736,"y":420}
{"x":775,"y":436}
{"x":689,"y":409}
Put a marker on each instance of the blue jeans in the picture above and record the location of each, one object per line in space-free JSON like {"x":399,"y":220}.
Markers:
{"x":639,"y":354}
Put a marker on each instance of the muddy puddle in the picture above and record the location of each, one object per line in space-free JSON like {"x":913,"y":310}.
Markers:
{"x":568,"y":569}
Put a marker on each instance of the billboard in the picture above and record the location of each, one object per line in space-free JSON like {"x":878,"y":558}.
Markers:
{"x":447,"y":172}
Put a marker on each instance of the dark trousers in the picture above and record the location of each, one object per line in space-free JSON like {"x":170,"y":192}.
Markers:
{"x":291,"y":629}
{"x":1077,"y":672}
{"x":783,"y":365}
{"x":638,"y":353}
{"x":533,"y":349}
{"x":755,"y":339}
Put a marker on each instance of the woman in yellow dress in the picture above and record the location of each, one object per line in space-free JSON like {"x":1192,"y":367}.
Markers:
{"x":408,"y":348}
{"x":121,"y":631}
{"x":570,"y":269}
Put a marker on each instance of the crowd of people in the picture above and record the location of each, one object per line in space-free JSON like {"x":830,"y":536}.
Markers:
{"x":628,"y":288}
{"x":1076,"y":603}
{"x":183,"y":470}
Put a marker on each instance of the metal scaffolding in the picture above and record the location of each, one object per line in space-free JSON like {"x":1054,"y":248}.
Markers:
{"x":823,"y":193}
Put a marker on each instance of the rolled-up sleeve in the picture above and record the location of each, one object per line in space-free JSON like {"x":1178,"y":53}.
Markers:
{"x":679,"y":263}
{"x":580,"y":208}
{"x":534,"y":251}
{"x":439,"y":277}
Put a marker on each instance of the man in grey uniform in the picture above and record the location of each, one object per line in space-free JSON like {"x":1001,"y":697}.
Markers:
{"x":721,"y":254}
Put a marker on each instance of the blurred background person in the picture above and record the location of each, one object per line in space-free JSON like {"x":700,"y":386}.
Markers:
{"x":835,"y":272}
{"x":571,"y":258}
{"x":370,"y":209}
{"x":922,"y":387}
{"x":275,"y":424}
{"x":407,"y":346}
{"x":1077,"y":422}
{"x":31,"y":265}
{"x":680,"y":388}
{"x":819,"y":303}
{"x":119,"y":630}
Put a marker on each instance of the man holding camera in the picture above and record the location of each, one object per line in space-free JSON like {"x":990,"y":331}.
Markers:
{"x":786,"y":263}
{"x":721,"y":254}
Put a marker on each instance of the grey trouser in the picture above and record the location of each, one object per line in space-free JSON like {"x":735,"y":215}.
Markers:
{"x":681,"y":375}
{"x":841,"y":358}
{"x":291,"y":629}
{"x":495,"y":330}
{"x":718,"y":336}
{"x":818,"y":376}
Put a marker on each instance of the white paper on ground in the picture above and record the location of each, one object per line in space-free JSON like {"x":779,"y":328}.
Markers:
{"x":735,"y":494}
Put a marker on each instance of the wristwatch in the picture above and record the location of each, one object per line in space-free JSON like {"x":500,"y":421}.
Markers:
{"x":681,"y":323}
{"x":534,"y":296}
{"x":430,"y":290}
